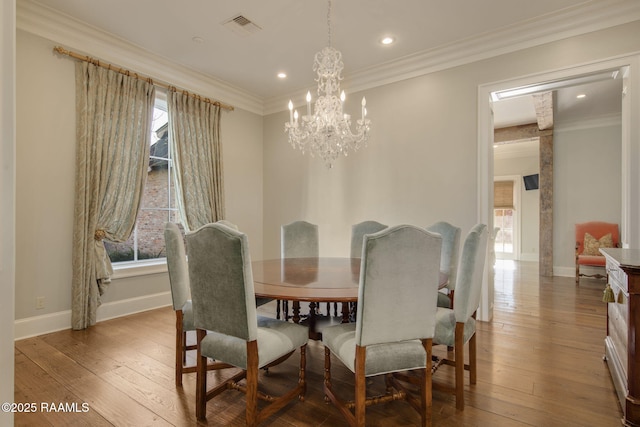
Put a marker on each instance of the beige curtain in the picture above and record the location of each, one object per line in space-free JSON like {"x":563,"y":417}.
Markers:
{"x":113,"y":113}
{"x":194,"y":126}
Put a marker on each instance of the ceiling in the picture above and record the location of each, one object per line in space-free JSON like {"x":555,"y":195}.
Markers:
{"x":287,"y":34}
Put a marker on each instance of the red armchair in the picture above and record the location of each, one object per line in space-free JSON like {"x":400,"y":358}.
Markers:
{"x":590,"y":237}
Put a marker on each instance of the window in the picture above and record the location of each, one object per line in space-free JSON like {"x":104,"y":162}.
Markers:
{"x":158,"y":202}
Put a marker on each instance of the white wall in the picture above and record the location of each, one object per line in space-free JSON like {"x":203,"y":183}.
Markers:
{"x":7,"y":203}
{"x":416,"y":169}
{"x":45,"y":157}
{"x":421,"y":164}
{"x":45,"y":182}
{"x":587,"y":177}
{"x":242,"y":152}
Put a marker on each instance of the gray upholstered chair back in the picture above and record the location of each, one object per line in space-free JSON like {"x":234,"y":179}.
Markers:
{"x":357,"y":233}
{"x":221,"y":281}
{"x":177,"y":265}
{"x":470,"y":273}
{"x":398,"y":284}
{"x":299,"y":240}
{"x":450,"y":249}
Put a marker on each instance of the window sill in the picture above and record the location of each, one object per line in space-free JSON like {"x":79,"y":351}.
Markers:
{"x":134,"y":269}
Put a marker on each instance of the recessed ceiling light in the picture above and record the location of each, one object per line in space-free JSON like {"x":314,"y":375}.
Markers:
{"x":387,"y":40}
{"x":282,"y":75}
{"x":582,"y":95}
{"x":197,"y":39}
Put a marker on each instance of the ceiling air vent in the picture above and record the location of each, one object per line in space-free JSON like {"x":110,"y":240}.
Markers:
{"x":241,"y":25}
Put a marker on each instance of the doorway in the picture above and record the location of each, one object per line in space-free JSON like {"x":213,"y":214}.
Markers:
{"x":628,"y":67}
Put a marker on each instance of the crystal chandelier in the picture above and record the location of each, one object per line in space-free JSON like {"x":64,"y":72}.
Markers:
{"x":327,"y":132}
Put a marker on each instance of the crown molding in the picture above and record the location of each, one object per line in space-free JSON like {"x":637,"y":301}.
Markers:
{"x":76,"y":35}
{"x":73,"y":34}
{"x":571,"y":22}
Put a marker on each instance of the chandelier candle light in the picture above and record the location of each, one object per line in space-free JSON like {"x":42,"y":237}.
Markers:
{"x":327,"y":132}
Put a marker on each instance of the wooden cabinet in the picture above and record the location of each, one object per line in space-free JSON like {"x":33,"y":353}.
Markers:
{"x":622,"y":349}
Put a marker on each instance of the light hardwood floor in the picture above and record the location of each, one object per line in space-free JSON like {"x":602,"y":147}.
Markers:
{"x":539,"y":364}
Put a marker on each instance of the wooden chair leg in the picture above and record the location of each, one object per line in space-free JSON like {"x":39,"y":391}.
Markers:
{"x":327,"y":373}
{"x":302,"y":379}
{"x":472,"y":360}
{"x":426,"y":392}
{"x":361,"y":392}
{"x":459,"y":362}
{"x":184,"y":349}
{"x":201,"y":380}
{"x":252,"y":384}
{"x":180,"y":349}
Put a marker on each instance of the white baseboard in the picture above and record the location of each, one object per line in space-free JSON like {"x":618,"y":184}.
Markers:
{"x":52,"y":322}
{"x":571,"y":271}
{"x":564,"y":271}
{"x":529,"y":256}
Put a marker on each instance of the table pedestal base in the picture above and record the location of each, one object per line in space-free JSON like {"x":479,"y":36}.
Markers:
{"x":316,"y":321}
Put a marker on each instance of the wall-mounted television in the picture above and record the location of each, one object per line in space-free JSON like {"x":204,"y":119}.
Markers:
{"x":530,"y":182}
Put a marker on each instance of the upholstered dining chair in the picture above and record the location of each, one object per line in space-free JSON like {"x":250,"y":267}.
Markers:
{"x":259,"y":300}
{"x":400,"y":267}
{"x":449,"y":261}
{"x":590,"y":237}
{"x":180,"y":295}
{"x":298,"y":239}
{"x":357,"y":233}
{"x":457,"y":326}
{"x":228,"y":327}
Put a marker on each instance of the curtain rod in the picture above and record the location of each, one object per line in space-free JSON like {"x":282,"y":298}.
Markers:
{"x":120,"y":70}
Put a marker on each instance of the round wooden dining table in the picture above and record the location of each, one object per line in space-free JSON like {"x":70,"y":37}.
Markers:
{"x":313,"y":280}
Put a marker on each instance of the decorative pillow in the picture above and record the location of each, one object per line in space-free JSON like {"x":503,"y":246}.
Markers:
{"x":591,"y":244}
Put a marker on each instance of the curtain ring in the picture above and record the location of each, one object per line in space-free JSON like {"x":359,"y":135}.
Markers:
{"x":100,"y":234}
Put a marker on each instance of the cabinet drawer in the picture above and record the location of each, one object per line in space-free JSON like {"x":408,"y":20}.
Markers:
{"x":619,"y":325}
{"x":617,"y":277}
